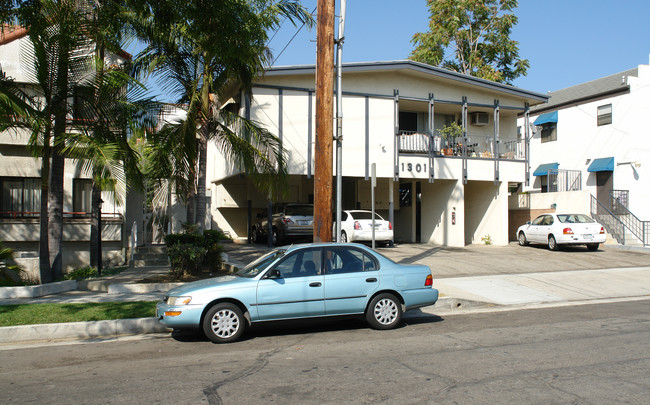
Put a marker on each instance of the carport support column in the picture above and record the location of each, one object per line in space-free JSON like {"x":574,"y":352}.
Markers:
{"x":455,"y":220}
{"x":391,"y":209}
{"x":527,"y":142}
{"x":414,"y":210}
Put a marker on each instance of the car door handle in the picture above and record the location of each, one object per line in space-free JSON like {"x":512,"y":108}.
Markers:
{"x":315,"y":284}
{"x":371,"y":280}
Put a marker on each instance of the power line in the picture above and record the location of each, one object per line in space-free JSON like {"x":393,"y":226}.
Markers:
{"x":292,"y":38}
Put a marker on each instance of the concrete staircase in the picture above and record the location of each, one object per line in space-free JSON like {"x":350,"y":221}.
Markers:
{"x":150,"y":256}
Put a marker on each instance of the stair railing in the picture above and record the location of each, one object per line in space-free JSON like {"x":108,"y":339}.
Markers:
{"x":607,"y":219}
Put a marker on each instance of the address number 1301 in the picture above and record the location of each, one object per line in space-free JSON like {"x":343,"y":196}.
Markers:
{"x":410,"y":167}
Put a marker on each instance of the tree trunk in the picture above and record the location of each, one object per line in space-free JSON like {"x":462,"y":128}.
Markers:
{"x":201,"y":180}
{"x":55,"y":210}
{"x":95,"y":226}
{"x":189,"y":210}
{"x":45,"y":271}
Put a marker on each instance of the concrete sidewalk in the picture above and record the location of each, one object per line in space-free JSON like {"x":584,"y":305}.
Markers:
{"x":548,"y":287}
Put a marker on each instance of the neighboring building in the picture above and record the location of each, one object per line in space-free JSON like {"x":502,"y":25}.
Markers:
{"x":445,"y":191}
{"x":20,"y":182}
{"x":595,"y":137}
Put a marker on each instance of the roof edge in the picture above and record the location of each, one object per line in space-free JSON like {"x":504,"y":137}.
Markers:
{"x":416,"y":66}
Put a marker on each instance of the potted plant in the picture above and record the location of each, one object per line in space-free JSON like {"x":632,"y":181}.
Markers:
{"x":450,"y":133}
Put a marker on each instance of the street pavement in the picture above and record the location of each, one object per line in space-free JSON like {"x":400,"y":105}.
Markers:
{"x":473,"y":278}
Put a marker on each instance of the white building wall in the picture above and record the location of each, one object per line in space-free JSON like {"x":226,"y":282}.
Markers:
{"x":580,"y":140}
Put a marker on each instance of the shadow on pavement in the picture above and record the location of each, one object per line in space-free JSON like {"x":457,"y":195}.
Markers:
{"x":306,"y":326}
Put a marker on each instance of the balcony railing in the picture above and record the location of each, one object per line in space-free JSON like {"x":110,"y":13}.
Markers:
{"x":36,"y":214}
{"x":477,"y":146}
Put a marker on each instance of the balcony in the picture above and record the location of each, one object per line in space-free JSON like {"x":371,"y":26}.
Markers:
{"x":478,"y":146}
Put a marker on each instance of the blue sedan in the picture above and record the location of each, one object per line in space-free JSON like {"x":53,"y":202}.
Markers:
{"x":300,"y":281}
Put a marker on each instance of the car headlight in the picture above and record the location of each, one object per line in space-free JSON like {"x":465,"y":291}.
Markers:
{"x":178,"y":300}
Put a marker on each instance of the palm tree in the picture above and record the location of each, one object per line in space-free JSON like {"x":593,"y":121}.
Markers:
{"x":209,"y":46}
{"x":56,"y":35}
{"x":60,"y":34}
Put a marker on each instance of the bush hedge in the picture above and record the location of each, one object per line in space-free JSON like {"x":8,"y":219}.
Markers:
{"x":188,"y":252}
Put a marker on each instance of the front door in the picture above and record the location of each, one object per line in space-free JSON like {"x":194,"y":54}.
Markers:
{"x":298,"y":293}
{"x":604,"y":186}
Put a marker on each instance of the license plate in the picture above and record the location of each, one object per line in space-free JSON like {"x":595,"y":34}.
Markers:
{"x":588,"y":236}
{"x":304,"y":222}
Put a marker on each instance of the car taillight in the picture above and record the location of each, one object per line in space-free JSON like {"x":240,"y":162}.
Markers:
{"x":602,"y":230}
{"x":357,"y":225}
{"x":429,"y":281}
{"x":390,"y":226}
{"x":567,"y":231}
{"x":287,"y":220}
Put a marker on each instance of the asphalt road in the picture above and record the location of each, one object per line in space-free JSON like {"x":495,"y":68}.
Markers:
{"x":583,"y":354}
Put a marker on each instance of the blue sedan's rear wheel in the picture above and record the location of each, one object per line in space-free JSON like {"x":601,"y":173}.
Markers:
{"x":224,"y":323}
{"x":384,"y":312}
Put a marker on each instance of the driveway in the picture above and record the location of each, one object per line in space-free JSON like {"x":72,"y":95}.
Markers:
{"x":478,"y":260}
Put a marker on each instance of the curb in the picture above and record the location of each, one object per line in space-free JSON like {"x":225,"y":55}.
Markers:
{"x":80,"y":330}
{"x":34,"y":291}
{"x":141,"y":288}
{"x":138,"y":326}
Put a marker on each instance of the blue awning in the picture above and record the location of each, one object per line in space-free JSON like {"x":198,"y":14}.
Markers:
{"x":602,"y":165}
{"x":546,"y":118}
{"x":542,"y":170}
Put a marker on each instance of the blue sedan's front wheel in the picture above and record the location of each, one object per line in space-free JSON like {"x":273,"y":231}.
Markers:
{"x":384,"y":312}
{"x":224,"y":323}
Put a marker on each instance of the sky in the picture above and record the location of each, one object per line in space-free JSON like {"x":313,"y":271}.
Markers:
{"x":567,"y":42}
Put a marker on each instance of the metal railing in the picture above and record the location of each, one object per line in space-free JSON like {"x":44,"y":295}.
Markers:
{"x":564,"y":180}
{"x":607,"y":219}
{"x":620,"y":221}
{"x":477,"y":145}
{"x":414,"y":142}
{"x":620,"y":199}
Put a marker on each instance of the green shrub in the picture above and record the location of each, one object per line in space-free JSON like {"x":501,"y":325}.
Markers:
{"x":82,"y":273}
{"x":185,"y":259}
{"x":214,"y":235}
{"x":87,"y":272}
{"x":184,"y":239}
{"x":10,"y":273}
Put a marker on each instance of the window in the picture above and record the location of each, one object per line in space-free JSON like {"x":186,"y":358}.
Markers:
{"x":82,"y":190}
{"x":604,"y":114}
{"x":303,"y":263}
{"x":345,"y":260}
{"x":408,"y":121}
{"x":21,"y":197}
{"x":549,"y":132}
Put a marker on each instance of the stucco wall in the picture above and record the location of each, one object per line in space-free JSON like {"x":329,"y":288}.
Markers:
{"x":580,"y":140}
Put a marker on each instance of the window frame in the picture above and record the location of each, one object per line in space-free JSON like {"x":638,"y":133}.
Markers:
{"x":549,"y":132}
{"x":604,"y":118}
{"x":35,"y":196}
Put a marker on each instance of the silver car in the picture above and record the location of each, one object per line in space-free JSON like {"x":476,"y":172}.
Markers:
{"x":288,"y":221}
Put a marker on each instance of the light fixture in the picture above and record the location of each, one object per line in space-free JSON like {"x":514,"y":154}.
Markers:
{"x":633,"y":165}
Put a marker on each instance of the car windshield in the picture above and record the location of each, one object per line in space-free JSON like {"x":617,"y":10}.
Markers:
{"x":575,"y":219}
{"x":304,"y":210}
{"x":365,"y":215}
{"x":257,"y":266}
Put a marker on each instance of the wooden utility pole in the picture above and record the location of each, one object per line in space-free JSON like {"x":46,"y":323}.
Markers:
{"x":323,"y":180}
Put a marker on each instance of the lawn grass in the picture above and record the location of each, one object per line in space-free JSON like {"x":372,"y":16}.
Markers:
{"x":29,"y":314}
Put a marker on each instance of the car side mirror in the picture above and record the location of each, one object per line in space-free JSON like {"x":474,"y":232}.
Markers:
{"x":275,"y":273}
{"x":528,"y":223}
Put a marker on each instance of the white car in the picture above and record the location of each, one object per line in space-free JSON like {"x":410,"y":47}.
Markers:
{"x":562,"y":229}
{"x":356,"y":226}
